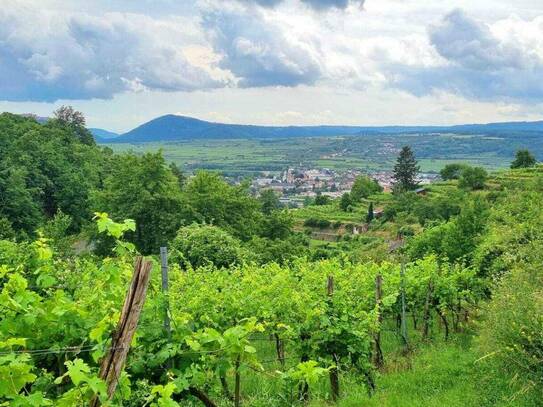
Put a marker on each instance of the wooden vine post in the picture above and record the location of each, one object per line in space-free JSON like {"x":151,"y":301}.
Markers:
{"x":113,"y":363}
{"x":334,"y":374}
{"x":378,"y":359}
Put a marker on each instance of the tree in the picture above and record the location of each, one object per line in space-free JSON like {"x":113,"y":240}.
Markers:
{"x":345,"y":204}
{"x":370,"y":215}
{"x":363,"y":187}
{"x":523,"y":159}
{"x":201,"y":245}
{"x":473,"y":178}
{"x":144,"y":189}
{"x":269,"y":201}
{"x":277,"y":225}
{"x":230,"y":207}
{"x":181,"y":178}
{"x":405,"y":170}
{"x":69,"y":117}
{"x":452,"y":171}
{"x":321,"y":199}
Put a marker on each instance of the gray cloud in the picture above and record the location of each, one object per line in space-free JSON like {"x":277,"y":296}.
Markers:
{"x":258,"y":52}
{"x":478,"y":64}
{"x":50,"y":56}
{"x":316,"y":4}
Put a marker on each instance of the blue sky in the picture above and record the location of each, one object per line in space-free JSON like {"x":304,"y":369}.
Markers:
{"x":123,"y":62}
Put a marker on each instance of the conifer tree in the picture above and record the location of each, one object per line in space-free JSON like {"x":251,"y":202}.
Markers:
{"x":405,"y":170}
{"x":370,"y":215}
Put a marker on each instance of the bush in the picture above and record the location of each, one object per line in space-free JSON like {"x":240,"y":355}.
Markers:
{"x":452,"y":171}
{"x":201,"y":245}
{"x":317,"y":223}
{"x":512,"y":331}
{"x":473,"y":178}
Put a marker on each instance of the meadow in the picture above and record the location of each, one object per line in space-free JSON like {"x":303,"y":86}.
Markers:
{"x":244,"y":157}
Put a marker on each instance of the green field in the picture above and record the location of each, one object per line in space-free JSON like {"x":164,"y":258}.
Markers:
{"x":370,"y":153}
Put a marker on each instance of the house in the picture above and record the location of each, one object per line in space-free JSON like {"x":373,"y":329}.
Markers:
{"x":421,"y":191}
{"x":378,"y":212}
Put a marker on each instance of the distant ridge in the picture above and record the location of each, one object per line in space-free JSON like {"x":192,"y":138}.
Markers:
{"x":178,"y":128}
{"x":102,"y":134}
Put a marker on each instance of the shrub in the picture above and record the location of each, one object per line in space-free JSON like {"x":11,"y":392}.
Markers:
{"x":200,"y":245}
{"x":473,"y":178}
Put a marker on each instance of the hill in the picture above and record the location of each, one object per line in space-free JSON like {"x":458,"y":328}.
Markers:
{"x":101,"y":134}
{"x":176,"y":128}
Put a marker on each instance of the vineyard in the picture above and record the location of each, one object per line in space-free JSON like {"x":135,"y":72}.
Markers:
{"x":322,"y":319}
{"x":124,"y":282}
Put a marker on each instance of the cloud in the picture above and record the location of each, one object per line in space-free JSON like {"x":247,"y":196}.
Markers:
{"x":54,"y":55}
{"x":259,"y":51}
{"x":316,"y":4}
{"x":480,"y":61}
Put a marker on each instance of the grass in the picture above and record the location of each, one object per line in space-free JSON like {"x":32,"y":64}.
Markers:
{"x":435,"y":374}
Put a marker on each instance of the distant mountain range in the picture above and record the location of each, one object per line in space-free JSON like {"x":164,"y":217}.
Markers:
{"x":101,"y":134}
{"x":178,"y":128}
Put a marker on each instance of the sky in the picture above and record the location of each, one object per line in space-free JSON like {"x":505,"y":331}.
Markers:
{"x":282,"y":62}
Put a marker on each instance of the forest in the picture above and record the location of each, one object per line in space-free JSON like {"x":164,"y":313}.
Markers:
{"x":437,"y":299}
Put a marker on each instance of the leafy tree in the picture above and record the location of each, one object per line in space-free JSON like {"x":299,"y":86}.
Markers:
{"x":201,"y":245}
{"x":406,"y":170}
{"x":345,"y":204}
{"x":363,"y":187}
{"x":43,"y":169}
{"x":321,"y":199}
{"x":228,"y":206}
{"x":523,"y":159}
{"x":18,"y":206}
{"x":452,"y":171}
{"x":269,"y":201}
{"x":277,"y":225}
{"x":473,"y":178}
{"x":181,"y":178}
{"x":263,"y":250}
{"x":6,"y":230}
{"x":370,"y":216}
{"x":75,"y":120}
{"x":144,"y":189}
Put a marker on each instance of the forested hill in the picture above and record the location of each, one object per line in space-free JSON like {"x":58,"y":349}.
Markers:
{"x":172,"y":127}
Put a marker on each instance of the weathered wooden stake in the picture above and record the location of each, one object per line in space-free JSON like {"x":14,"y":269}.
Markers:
{"x":377,"y":351}
{"x":113,"y":363}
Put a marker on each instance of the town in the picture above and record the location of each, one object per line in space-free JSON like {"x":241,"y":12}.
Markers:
{"x":297,"y":186}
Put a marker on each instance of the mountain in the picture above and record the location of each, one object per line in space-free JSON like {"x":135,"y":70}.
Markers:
{"x":102,"y":134}
{"x":174,"y":128}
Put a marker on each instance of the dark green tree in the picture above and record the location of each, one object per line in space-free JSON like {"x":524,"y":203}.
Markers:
{"x":69,"y":117}
{"x":406,"y":170}
{"x":523,"y":159}
{"x":230,"y":207}
{"x":144,"y":189}
{"x":181,"y":178}
{"x":345,"y":204}
{"x":269,"y":201}
{"x":277,"y":225}
{"x":321,"y":199}
{"x":370,"y":216}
